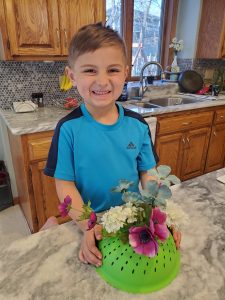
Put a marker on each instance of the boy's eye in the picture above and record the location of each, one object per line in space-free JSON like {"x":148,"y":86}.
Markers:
{"x":91,"y":71}
{"x":114,"y":70}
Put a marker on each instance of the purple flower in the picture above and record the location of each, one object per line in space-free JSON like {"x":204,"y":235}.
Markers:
{"x":142,"y":241}
{"x":158,"y":224}
{"x":65,"y":207}
{"x":92,"y":220}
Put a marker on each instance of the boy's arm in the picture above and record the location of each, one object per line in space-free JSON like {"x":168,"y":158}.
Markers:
{"x":89,"y":253}
{"x":144,"y":177}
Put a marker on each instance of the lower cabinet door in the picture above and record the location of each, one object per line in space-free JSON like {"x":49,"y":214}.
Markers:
{"x":46,"y":199}
{"x":216,"y":153}
{"x":170,"y":150}
{"x":195,"y":151}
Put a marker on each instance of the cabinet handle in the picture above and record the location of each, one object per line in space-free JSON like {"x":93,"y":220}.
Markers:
{"x":221,"y":117}
{"x":66,"y":38}
{"x":186,"y":123}
{"x":183,"y":140}
{"x":214,"y":133}
{"x":58,"y":37}
{"x":188,"y":140}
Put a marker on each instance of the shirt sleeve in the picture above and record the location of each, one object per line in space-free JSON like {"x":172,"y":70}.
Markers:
{"x":60,"y":163}
{"x":147,"y":157}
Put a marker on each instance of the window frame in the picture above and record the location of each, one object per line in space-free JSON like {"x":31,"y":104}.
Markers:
{"x":168,"y":31}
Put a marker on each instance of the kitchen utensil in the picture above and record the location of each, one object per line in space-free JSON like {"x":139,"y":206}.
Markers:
{"x":126,"y":270}
{"x":190,"y":81}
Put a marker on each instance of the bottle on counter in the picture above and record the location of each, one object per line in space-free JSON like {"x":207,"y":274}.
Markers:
{"x":38,"y":99}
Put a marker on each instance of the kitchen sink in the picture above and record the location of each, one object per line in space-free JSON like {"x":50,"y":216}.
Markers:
{"x":169,"y":101}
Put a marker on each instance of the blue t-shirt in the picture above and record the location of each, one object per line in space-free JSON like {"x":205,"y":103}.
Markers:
{"x":96,"y":156}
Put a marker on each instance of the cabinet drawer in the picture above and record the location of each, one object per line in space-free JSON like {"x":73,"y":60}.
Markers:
{"x":38,"y":149}
{"x":184,"y":122}
{"x":220,"y":116}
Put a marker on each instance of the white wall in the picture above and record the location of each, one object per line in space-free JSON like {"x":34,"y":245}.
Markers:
{"x":5,"y":155}
{"x":188,"y":20}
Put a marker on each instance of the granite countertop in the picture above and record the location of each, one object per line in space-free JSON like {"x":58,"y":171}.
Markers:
{"x":45,"y":264}
{"x":46,"y":118}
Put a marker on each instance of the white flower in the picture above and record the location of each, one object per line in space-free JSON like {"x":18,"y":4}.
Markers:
{"x":177,"y":45}
{"x":118,"y":216}
{"x":175,"y":215}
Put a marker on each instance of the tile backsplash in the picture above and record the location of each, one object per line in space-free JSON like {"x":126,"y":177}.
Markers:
{"x":18,"y":80}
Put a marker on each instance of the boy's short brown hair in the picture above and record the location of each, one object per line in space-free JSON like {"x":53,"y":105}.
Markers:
{"x":92,"y":37}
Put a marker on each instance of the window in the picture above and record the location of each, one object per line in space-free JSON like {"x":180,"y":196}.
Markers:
{"x":146,"y":26}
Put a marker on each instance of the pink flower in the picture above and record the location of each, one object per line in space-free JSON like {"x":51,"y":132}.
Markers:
{"x":66,"y":206}
{"x":158,"y":224}
{"x":92,"y":220}
{"x":142,"y":241}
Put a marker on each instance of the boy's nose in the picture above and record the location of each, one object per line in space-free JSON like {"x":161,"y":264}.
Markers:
{"x":102,"y":79}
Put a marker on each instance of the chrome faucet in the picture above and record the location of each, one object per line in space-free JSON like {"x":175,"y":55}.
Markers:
{"x":142,"y":89}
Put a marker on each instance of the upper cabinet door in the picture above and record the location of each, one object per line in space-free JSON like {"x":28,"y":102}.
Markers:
{"x":33,"y":27}
{"x":211,"y":37}
{"x":77,"y":13}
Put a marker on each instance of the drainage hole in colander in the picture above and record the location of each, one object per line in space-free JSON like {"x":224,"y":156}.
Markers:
{"x":164,"y":257}
{"x":170,"y":259}
{"x":108,"y":244}
{"x":119,"y":246}
{"x":137,"y":264}
{"x":110,"y":252}
{"x":139,"y":257}
{"x":133,"y":251}
{"x":126,"y":249}
{"x":131,"y":256}
{"x":114,"y":249}
{"x":114,"y":242}
{"x":163,"y":250}
{"x":147,"y":264}
{"x":104,"y":246}
{"x":105,"y":257}
{"x":117,"y":258}
{"x":126,"y":262}
{"x":133,"y":271}
{"x":112,"y":263}
{"x":121,"y":269}
{"x":155,"y":269}
{"x":156,"y":261}
{"x":164,"y":265}
{"x":121,"y":254}
{"x":144,"y":272}
{"x":169,"y":251}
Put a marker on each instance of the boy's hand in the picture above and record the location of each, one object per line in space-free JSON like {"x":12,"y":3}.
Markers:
{"x":176,"y":236}
{"x":89,"y":253}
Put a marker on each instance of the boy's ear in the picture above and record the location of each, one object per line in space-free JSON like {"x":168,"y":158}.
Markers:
{"x":126,"y":71}
{"x":71,"y":75}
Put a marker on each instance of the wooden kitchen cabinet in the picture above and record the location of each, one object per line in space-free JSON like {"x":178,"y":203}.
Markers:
{"x":37,"y":193}
{"x":216,"y":152}
{"x":211,"y":36}
{"x":42,"y":29}
{"x":182,"y":142}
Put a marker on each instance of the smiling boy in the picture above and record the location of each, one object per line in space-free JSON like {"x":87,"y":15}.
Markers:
{"x":100,"y":142}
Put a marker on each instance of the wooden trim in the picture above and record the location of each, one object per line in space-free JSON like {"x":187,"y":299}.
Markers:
{"x":169,"y":30}
{"x":127,"y":29}
{"x":4,"y":50}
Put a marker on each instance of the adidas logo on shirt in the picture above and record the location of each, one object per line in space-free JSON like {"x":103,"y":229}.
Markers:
{"x":131,"y":146}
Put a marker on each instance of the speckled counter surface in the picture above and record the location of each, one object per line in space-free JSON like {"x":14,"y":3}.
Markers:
{"x":46,"y":118}
{"x":45,"y":265}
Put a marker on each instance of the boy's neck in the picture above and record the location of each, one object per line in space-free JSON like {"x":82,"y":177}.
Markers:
{"x":107,"y":115}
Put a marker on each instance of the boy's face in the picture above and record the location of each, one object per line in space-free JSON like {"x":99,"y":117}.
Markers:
{"x":99,"y":76}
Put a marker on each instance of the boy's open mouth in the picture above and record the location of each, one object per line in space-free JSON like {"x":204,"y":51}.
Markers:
{"x":101,"y":92}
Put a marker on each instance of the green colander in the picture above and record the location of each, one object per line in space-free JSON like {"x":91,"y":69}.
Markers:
{"x":126,"y":270}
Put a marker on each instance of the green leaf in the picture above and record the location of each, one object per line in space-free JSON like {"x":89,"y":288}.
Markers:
{"x":152,"y":187}
{"x":174,"y":179}
{"x":163,"y":171}
{"x":164,"y":192}
{"x":153,"y":172}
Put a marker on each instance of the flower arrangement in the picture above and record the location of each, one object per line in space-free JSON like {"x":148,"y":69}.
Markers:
{"x":144,"y":220}
{"x":177,"y":46}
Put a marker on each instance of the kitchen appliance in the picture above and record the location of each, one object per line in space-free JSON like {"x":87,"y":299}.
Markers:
{"x":190,"y":81}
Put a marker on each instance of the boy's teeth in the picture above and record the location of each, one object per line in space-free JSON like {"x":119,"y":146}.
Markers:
{"x":101,"y":92}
